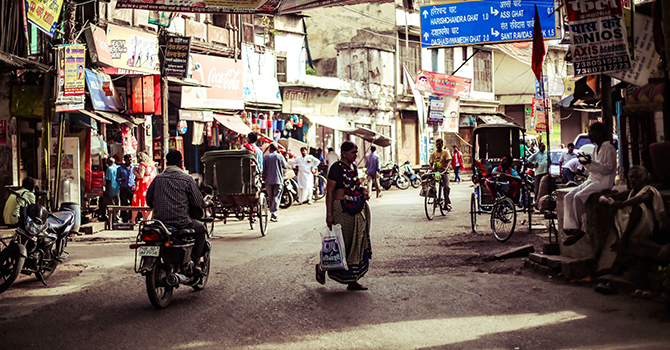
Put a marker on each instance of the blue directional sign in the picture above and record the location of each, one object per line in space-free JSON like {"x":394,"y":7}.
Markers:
{"x":485,"y":22}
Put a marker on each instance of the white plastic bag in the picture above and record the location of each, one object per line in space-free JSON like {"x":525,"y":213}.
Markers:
{"x":333,"y":256}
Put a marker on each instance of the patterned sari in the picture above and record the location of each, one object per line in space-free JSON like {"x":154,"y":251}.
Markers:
{"x":355,"y":229}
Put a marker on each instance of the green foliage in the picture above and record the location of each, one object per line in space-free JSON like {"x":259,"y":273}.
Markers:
{"x":666,"y":276}
{"x":309,"y":70}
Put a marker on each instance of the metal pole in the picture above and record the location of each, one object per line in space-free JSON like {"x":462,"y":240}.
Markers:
{"x":665,"y":14}
{"x":165,"y":95}
{"x":606,"y":99}
{"x":61,"y":135}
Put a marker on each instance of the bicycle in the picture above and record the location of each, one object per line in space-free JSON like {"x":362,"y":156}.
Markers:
{"x":319,"y":190}
{"x":503,"y":214}
{"x":433,"y":193}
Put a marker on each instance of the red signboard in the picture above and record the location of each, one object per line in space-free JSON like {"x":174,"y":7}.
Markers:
{"x":142,"y":94}
{"x":443,"y":84}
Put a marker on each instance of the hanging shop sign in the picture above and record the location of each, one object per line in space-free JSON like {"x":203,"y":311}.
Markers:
{"x":598,"y":41}
{"x":65,"y":103}
{"x":262,"y":89}
{"x":196,"y":116}
{"x":223,"y":76}
{"x":74,"y":80}
{"x":44,"y":14}
{"x":142,"y":99}
{"x":451,"y":120}
{"x":176,"y":56}
{"x":645,"y":59}
{"x":98,"y":49}
{"x":99,"y":97}
{"x":443,"y":84}
{"x":435,"y":109}
{"x":132,"y":51}
{"x":308,"y":101}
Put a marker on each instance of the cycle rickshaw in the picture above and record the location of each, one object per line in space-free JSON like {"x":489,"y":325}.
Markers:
{"x":238,"y":187}
{"x":490,"y":143}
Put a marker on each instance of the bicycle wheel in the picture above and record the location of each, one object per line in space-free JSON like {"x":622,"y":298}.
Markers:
{"x":319,"y":187}
{"x":429,"y":204}
{"x":503,"y":219}
{"x":473,"y":211}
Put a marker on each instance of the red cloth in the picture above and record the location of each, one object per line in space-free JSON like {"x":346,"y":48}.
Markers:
{"x":457,"y":158}
{"x":538,"y":48}
{"x":142,"y":185}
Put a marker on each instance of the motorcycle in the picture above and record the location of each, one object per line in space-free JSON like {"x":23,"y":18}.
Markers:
{"x":166,"y":261}
{"x":414,"y":178}
{"x":38,"y":245}
{"x":392,"y":176}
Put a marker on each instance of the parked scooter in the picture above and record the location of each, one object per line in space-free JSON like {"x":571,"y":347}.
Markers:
{"x":38,"y":245}
{"x":166,"y":261}
{"x":414,"y":178}
{"x":392,"y":176}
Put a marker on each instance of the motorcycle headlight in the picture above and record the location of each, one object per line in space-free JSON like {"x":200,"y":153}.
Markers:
{"x":32,"y":227}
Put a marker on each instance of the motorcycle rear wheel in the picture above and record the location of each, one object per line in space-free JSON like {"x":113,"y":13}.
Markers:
{"x":204,"y":265}
{"x":286,"y":199}
{"x":160,"y":294}
{"x":11,"y":263}
{"x":402,"y":182}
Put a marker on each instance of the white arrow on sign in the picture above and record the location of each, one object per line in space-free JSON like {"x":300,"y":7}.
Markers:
{"x":425,"y":36}
{"x":494,"y":11}
{"x":425,"y":14}
{"x":494,"y":32}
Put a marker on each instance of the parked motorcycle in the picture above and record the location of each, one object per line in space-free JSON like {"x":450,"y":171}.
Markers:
{"x":392,"y":176}
{"x":414,"y":178}
{"x":289,"y":193}
{"x":38,"y":245}
{"x":166,"y":261}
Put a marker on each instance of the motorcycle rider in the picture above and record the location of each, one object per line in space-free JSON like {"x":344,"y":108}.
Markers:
{"x":440,"y":160}
{"x":171,"y":194}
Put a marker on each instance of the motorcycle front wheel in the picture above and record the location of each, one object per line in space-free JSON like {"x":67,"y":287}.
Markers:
{"x":415,"y":182}
{"x":286,"y":198}
{"x":402,"y":182}
{"x":11,"y":263}
{"x":160,"y":294}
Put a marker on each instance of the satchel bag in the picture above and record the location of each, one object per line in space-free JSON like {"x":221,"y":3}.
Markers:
{"x":332,"y":253}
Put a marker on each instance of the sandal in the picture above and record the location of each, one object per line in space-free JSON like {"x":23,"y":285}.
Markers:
{"x":320,"y":275}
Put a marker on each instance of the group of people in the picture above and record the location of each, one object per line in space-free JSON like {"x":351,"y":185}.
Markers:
{"x":127,"y":184}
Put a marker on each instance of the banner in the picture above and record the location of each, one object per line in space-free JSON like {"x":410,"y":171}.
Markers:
{"x":542,"y":114}
{"x":74,"y":80}
{"x":176,"y":56}
{"x":646,"y":57}
{"x":435,"y":109}
{"x":443,"y":84}
{"x":44,"y":14}
{"x":132,"y":51}
{"x":65,"y":103}
{"x":598,"y":41}
{"x":451,"y":120}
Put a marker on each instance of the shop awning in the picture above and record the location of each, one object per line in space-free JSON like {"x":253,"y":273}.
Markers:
{"x":117,"y":118}
{"x":233,"y":123}
{"x":180,"y":82}
{"x":94,"y":116}
{"x":372,"y":136}
{"x":335,"y":123}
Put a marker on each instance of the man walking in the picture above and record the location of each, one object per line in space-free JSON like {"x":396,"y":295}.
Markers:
{"x":306,"y":164}
{"x":440,"y":160}
{"x":373,"y":170}
{"x":126,"y":180}
{"x":111,"y":189}
{"x":273,"y":173}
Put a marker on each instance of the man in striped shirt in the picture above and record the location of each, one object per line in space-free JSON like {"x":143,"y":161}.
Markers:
{"x":171,"y":194}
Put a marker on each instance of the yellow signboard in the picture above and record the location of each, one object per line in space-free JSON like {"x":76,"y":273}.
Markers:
{"x":44,"y":14}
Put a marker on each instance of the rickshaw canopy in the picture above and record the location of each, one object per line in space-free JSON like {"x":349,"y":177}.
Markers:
{"x":493,"y":141}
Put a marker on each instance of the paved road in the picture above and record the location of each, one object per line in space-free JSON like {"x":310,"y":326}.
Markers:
{"x":431,"y":286}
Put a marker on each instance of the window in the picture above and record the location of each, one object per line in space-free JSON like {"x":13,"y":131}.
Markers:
{"x":281,"y":67}
{"x":449,"y":60}
{"x":483,"y":80}
{"x":248,"y":28}
{"x":410,"y":56}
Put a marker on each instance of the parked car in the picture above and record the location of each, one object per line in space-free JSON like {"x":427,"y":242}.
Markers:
{"x":583,"y":139}
{"x":554,"y":168}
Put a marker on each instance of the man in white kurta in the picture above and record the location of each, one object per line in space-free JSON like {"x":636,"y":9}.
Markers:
{"x":306,"y":163}
{"x":602,"y":169}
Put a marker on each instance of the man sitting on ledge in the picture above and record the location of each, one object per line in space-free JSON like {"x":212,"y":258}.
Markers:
{"x":601,"y":178}
{"x":640,"y":217}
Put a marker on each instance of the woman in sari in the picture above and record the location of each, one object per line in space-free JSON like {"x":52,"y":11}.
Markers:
{"x":346,"y":204}
{"x":144,"y":175}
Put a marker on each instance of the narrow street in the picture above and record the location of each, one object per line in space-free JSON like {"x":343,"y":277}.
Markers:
{"x":431,"y":285}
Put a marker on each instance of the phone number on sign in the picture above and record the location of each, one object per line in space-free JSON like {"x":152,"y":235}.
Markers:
{"x":598,"y":66}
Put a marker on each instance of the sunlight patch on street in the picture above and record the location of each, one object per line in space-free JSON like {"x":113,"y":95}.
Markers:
{"x":423,"y":333}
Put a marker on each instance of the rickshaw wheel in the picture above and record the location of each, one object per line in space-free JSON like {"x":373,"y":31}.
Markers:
{"x":503,"y":219}
{"x":263,"y":213}
{"x":473,"y":212}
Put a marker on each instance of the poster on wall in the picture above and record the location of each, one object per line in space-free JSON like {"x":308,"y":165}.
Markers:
{"x":451,"y":115}
{"x":598,"y":40}
{"x":75,"y":77}
{"x":65,"y":103}
{"x":435,"y":109}
{"x":44,"y":14}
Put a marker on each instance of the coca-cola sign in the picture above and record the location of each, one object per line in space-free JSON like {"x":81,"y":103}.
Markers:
{"x":222,"y":78}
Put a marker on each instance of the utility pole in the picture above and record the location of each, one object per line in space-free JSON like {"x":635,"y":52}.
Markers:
{"x":165,"y":95}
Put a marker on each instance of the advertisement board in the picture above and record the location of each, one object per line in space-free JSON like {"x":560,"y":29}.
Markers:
{"x":223,"y":78}
{"x":443,"y":84}
{"x":100,"y":100}
{"x":43,"y":14}
{"x":74,"y":79}
{"x":176,"y":56}
{"x":598,"y":40}
{"x":97,"y":46}
{"x":132,"y":51}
